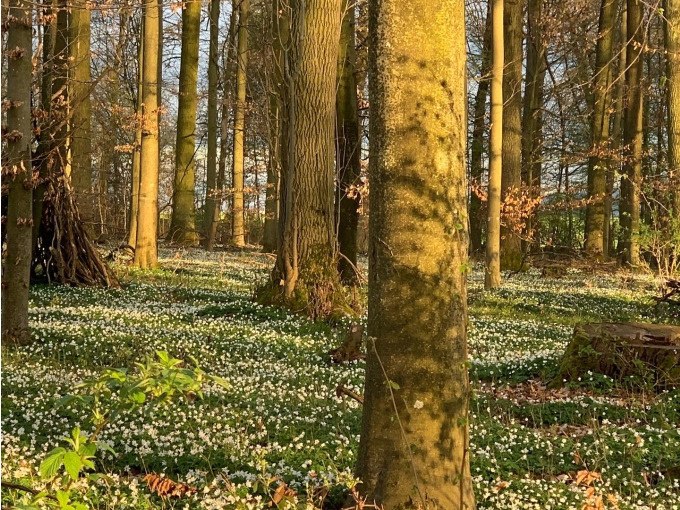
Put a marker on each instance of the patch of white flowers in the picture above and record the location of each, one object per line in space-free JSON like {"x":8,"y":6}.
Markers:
{"x":281,"y":416}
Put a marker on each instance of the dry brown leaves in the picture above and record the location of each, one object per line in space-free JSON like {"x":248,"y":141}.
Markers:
{"x":282,"y":493}
{"x":165,"y":487}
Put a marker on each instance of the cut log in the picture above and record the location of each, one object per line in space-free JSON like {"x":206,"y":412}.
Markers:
{"x":650,"y":352}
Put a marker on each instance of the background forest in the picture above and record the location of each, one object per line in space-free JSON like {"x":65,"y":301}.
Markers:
{"x":341,"y":254}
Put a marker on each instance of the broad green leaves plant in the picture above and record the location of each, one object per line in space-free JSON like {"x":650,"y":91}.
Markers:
{"x":159,"y":378}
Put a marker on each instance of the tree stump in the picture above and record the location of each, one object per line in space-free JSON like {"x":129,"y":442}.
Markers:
{"x":621,"y":350}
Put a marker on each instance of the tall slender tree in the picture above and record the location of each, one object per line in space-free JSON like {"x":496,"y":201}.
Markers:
{"x":136,"y":155}
{"x":212,"y":200}
{"x":632,"y":136}
{"x":146,"y":250}
{"x":413,"y":451}
{"x":348,"y":158}
{"x":532,"y":114}
{"x":511,"y":246}
{"x":238,"y":162}
{"x":18,"y":174}
{"x":280,"y":26}
{"x":492,"y":274}
{"x":477,"y":142}
{"x":183,"y":222}
{"x":616,"y":130}
{"x":599,"y":160}
{"x":81,"y":111}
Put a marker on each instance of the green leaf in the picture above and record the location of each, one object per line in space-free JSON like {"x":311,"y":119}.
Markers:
{"x":137,"y":397}
{"x":62,"y":498}
{"x":73,"y":464}
{"x":163,"y":356}
{"x":51,"y":464}
{"x":220,"y":381}
{"x":88,"y":449}
{"x":393,"y":385}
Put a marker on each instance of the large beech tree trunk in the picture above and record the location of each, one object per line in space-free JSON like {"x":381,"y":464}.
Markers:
{"x":632,"y":137}
{"x":414,"y":439}
{"x":348,"y":148}
{"x":238,"y":233}
{"x":146,"y":251}
{"x":511,"y":246}
{"x":599,"y":161}
{"x":17,"y":174}
{"x":183,"y":223}
{"x":492,"y":273}
{"x":305,"y":276}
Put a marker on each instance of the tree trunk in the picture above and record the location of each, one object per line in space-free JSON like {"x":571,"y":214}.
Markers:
{"x":616,"y":133}
{"x":183,"y":224}
{"x":17,"y":174}
{"x":237,"y":172}
{"x":632,"y":137}
{"x":146,"y":251}
{"x":348,"y":158}
{"x":492,"y":275}
{"x":211,"y":199}
{"x":80,"y":122}
{"x":413,"y":451}
{"x":672,"y":13}
{"x":136,"y":155}
{"x":477,"y":143}
{"x":532,"y":115}
{"x":305,"y":276}
{"x":600,"y":159}
{"x":280,"y":41}
{"x":211,"y":235}
{"x":45,"y":142}
{"x":511,"y":246}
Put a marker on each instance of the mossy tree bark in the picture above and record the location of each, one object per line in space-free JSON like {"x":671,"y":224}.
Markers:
{"x":212,"y":201}
{"x":348,"y":158}
{"x":238,"y":234}
{"x":80,"y":83}
{"x":511,"y":246}
{"x":305,"y":276}
{"x":600,"y":159}
{"x":17,"y":174}
{"x":414,"y":439}
{"x":532,"y":114}
{"x":183,"y":222}
{"x":492,"y":273}
{"x":477,"y":142}
{"x":146,"y":251}
{"x":672,"y":13}
{"x":632,"y":137}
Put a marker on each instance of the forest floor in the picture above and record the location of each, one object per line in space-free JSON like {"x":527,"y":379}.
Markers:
{"x":588,"y":446}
